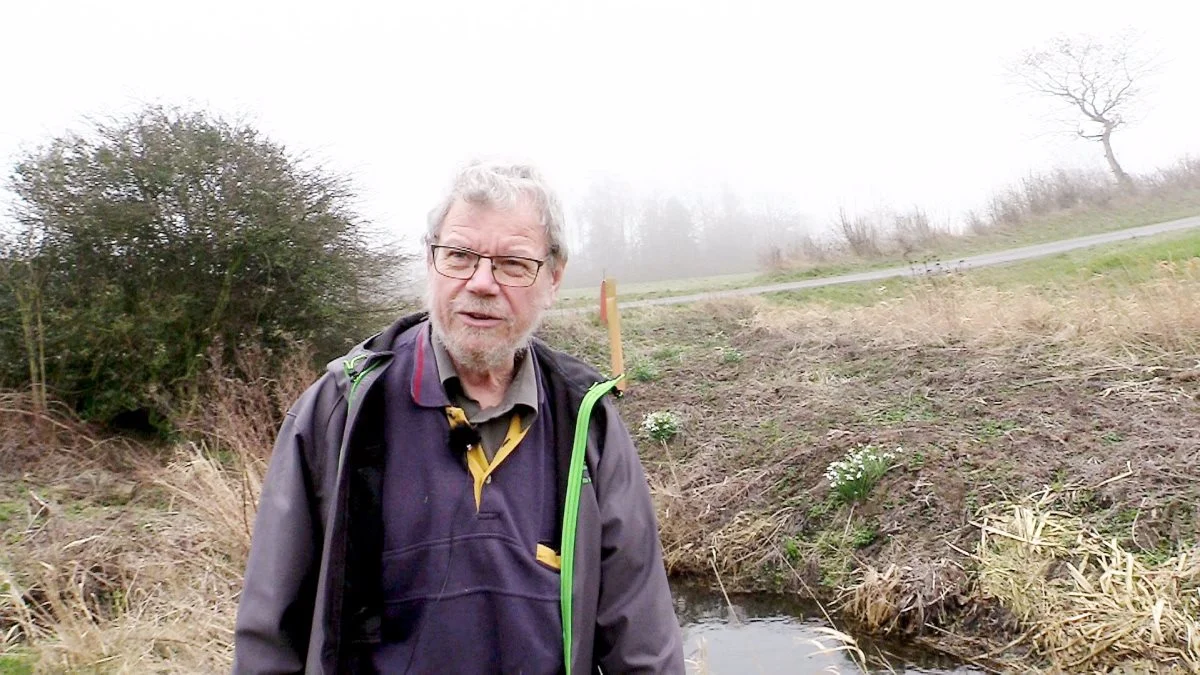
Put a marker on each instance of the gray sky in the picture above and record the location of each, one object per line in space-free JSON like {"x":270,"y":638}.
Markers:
{"x":859,"y":105}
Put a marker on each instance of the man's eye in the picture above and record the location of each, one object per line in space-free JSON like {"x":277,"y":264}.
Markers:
{"x":515,"y":265}
{"x":457,"y":256}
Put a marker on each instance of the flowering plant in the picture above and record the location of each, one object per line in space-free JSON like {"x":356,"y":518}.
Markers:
{"x":853,"y":476}
{"x":661,"y":425}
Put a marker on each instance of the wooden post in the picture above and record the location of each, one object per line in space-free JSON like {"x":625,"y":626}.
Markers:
{"x":613,"y":319}
{"x":604,"y":301}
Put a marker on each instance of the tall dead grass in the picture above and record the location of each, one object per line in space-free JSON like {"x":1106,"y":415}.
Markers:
{"x":1162,"y":314}
{"x":1088,"y":603}
{"x":144,"y":579}
{"x":904,"y":599}
{"x":128,"y":591}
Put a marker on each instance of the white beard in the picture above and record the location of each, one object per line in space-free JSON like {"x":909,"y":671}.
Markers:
{"x":470,"y":355}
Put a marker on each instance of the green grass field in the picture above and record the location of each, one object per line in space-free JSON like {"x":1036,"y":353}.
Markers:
{"x":1118,"y":266}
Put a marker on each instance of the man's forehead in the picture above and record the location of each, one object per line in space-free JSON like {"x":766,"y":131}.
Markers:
{"x":521,"y":219}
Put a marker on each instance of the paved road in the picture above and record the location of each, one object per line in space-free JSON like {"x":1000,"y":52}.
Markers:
{"x":970,"y":262}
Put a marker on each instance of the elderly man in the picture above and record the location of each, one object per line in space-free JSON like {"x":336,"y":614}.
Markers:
{"x":455,"y":496}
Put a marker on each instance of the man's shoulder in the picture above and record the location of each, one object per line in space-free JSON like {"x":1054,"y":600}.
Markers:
{"x":395,"y":338}
{"x":573,"y":371}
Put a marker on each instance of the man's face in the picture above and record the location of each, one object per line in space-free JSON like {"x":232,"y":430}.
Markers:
{"x":481,"y":322}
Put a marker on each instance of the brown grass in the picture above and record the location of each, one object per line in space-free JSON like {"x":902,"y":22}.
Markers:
{"x":1087,"y":601}
{"x":1162,"y":315}
{"x":904,"y":600}
{"x":136,"y":568}
{"x":134,"y":589}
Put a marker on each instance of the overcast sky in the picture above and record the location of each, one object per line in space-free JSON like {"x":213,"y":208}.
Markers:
{"x":859,"y":105}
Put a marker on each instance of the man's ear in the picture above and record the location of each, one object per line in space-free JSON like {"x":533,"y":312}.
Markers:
{"x":556,"y":277}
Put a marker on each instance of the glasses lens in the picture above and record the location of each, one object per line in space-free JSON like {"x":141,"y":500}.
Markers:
{"x":455,"y":263}
{"x":515,"y":271}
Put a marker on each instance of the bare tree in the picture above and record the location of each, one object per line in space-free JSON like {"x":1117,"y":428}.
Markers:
{"x":1102,"y":81}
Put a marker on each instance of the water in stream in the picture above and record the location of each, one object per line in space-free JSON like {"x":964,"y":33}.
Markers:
{"x":775,"y":635}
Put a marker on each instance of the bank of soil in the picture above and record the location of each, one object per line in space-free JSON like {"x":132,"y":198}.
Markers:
{"x":986,"y":397}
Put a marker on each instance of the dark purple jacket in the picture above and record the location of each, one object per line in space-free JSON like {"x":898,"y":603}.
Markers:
{"x":312,"y":597}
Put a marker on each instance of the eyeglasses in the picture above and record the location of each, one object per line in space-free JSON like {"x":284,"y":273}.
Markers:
{"x":507,"y":270}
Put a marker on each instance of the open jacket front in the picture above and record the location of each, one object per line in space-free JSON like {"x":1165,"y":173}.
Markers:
{"x":313,"y":601}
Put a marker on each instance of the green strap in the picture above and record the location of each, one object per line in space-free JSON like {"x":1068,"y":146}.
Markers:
{"x":571,"y":510}
{"x":357,"y":380}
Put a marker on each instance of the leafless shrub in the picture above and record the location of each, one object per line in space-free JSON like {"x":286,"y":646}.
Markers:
{"x":1183,"y":175}
{"x":245,"y":402}
{"x":796,"y":252}
{"x":772,"y":258}
{"x":1006,"y":209}
{"x":813,"y":249}
{"x":238,"y":424}
{"x":975,"y":223}
{"x":1040,"y":195}
{"x":860,"y":233}
{"x":912,"y":231}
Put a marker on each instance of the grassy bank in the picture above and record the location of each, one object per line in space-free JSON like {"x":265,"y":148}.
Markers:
{"x":1037,"y":512}
{"x":1042,"y":419}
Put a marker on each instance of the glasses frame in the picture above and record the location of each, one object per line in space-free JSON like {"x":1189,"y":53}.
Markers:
{"x":433,"y":252}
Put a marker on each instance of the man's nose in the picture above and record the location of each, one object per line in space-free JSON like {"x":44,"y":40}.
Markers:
{"x":483,"y":281}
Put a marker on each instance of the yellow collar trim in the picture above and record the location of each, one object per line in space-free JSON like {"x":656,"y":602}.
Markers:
{"x":477,"y":461}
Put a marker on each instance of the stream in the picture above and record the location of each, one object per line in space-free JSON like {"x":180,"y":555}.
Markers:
{"x":775,"y":634}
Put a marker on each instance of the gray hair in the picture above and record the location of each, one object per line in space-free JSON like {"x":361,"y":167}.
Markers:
{"x":502,"y":186}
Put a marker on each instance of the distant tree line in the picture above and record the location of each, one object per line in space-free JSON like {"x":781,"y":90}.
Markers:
{"x":644,"y":237}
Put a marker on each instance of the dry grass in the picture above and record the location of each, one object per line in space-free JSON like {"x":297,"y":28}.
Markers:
{"x":137,"y":568}
{"x":995,"y":390}
{"x":1162,"y":314}
{"x":1088,"y":602}
{"x":26,"y":432}
{"x":134,"y":589}
{"x":904,"y":600}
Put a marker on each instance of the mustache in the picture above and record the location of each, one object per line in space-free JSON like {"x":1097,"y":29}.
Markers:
{"x":476,"y":306}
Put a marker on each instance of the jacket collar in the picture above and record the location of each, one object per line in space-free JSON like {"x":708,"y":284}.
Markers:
{"x":427,"y":388}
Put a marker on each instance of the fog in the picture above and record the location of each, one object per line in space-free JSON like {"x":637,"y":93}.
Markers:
{"x":687,"y":138}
